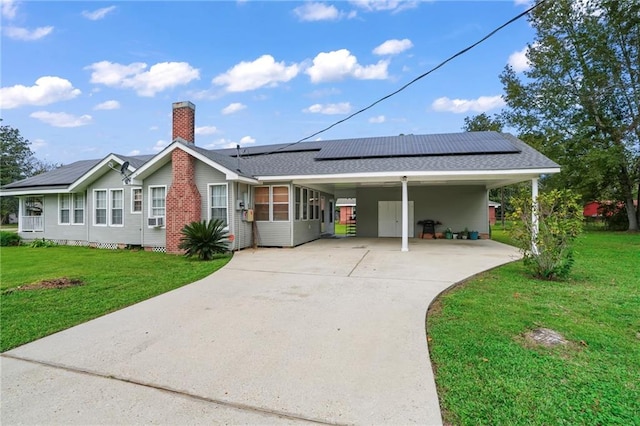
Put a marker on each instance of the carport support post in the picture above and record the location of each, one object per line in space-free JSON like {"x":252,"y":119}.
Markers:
{"x":534,"y":215}
{"x":405,"y":215}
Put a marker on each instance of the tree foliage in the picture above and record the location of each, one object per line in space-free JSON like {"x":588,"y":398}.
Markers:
{"x":204,"y":239}
{"x":483,"y":123}
{"x":579,"y":102}
{"x":559,"y":223}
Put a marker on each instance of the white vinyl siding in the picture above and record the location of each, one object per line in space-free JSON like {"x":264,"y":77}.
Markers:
{"x":136,"y":200}
{"x":116,"y":207}
{"x":100,"y":207}
{"x":157,"y":198}
{"x":64,"y":209}
{"x":219,"y":203}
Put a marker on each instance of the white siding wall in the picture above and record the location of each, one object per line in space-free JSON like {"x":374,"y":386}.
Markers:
{"x":154,"y":237}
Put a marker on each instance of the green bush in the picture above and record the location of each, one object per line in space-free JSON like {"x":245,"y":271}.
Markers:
{"x":204,"y":239}
{"x":559,"y":223}
{"x":9,"y":239}
{"x":42,"y":243}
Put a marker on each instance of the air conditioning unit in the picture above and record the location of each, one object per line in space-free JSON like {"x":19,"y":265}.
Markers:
{"x":155,"y":221}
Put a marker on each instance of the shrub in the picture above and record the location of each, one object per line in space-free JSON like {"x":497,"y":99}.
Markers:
{"x":9,"y":239}
{"x":42,"y":243}
{"x":204,"y":239}
{"x":559,"y":223}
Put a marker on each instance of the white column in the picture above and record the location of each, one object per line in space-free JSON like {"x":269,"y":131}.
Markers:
{"x":534,"y":215}
{"x":20,"y":213}
{"x":405,"y":215}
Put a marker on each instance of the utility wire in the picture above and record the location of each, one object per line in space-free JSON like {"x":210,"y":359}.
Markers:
{"x":441,"y":64}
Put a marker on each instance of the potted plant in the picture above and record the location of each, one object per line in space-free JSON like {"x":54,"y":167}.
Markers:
{"x":448,"y":234}
{"x":465,"y":233}
{"x":473,"y":235}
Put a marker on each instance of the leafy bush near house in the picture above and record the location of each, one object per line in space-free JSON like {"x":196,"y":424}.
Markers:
{"x":42,"y":243}
{"x":9,"y":239}
{"x":559,"y":223}
{"x":204,"y":239}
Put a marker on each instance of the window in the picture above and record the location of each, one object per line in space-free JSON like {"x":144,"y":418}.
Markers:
{"x":78,"y":209}
{"x":297,"y":191}
{"x":117,"y":207}
{"x":64,"y":206}
{"x":100,"y":203}
{"x":305,"y":210}
{"x":157,"y":205}
{"x":280,"y":203}
{"x":136,"y":200}
{"x":316,"y":205}
{"x":261,"y":205}
{"x":32,"y":214}
{"x":218,"y":203}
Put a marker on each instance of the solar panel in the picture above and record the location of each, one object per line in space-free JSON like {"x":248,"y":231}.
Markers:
{"x":468,"y":143}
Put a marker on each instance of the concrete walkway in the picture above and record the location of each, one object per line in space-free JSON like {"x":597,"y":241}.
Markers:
{"x":330,"y":332}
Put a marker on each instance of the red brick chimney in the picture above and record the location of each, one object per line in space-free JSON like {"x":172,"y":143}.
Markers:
{"x":183,"y":198}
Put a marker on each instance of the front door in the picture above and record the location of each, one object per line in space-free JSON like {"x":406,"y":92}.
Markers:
{"x":390,"y":219}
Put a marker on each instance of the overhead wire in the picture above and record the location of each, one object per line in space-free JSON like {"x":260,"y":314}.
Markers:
{"x":421,"y":76}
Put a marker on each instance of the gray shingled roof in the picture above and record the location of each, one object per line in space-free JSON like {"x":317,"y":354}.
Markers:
{"x":444,"y":152}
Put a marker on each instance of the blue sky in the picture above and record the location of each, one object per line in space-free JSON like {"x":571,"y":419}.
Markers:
{"x":84,"y":79}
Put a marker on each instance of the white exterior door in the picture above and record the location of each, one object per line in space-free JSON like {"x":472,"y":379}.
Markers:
{"x":390,"y":218}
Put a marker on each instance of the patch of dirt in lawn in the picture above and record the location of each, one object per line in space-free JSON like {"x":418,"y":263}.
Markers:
{"x":55,"y":283}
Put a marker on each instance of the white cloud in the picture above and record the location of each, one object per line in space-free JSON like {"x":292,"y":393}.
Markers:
{"x":106,"y":105}
{"x":247,"y":140}
{"x":47,"y":90}
{"x":264,"y":71}
{"x":339,"y":64}
{"x":206,"y":130}
{"x":98,"y":14}
{"x":9,"y":9}
{"x":61,"y":119}
{"x":134,"y":152}
{"x":393,"y":47}
{"x":18,"y":33}
{"x":311,"y":11}
{"x":233,"y":107}
{"x":153,"y":128}
{"x":159,"y":77}
{"x":378,"y":119}
{"x":383,"y":5}
{"x":518,"y":60}
{"x":160,"y":145}
{"x":482,"y":104}
{"x":36,"y":144}
{"x":523,"y":2}
{"x":329,"y":109}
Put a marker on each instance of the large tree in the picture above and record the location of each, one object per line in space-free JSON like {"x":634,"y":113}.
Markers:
{"x":16,"y":162}
{"x":579,"y":102}
{"x":482,"y":123}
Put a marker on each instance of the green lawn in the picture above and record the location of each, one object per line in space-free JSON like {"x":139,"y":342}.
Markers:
{"x":112,"y":280}
{"x":487,"y":374}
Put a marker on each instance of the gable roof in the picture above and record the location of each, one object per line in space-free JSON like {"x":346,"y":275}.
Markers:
{"x":472,"y":153}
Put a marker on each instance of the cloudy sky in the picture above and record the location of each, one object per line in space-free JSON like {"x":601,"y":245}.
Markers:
{"x":84,"y":79}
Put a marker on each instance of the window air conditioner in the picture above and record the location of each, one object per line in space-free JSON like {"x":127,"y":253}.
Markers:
{"x":156,"y":221}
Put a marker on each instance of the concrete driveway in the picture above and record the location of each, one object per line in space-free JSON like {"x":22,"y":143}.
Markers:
{"x":330,"y":332}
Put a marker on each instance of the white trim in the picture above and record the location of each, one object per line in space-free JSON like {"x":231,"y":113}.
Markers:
{"x":102,"y":166}
{"x":73,"y":209}
{"x":534,"y":216}
{"x":209,"y":195}
{"x":60,"y":222}
{"x":110,"y":216}
{"x":133,"y":200}
{"x":106,"y":208}
{"x":272,"y":203}
{"x":29,"y":192}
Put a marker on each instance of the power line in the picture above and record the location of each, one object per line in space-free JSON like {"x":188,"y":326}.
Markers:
{"x":421,"y":76}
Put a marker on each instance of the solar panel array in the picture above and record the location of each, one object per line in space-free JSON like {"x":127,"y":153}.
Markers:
{"x":475,"y":143}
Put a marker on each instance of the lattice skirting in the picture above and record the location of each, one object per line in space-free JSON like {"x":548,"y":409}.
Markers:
{"x":108,"y":246}
{"x":158,"y":249}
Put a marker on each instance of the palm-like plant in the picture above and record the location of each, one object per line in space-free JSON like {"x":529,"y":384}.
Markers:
{"x":204,"y":239}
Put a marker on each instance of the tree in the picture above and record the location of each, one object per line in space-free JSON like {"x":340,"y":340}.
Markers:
{"x":16,"y":162}
{"x":482,"y":123}
{"x":580,"y":100}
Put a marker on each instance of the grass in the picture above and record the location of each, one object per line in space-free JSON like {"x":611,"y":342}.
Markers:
{"x":113,"y":280}
{"x":486,"y":373}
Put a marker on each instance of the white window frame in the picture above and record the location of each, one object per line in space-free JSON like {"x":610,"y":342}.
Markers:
{"x":95,"y":207}
{"x":133,"y":200}
{"x":272,"y":203}
{"x":74,"y":209}
{"x":150,"y":203}
{"x":210,"y":204}
{"x":304,"y":203}
{"x":297,"y":204}
{"x":68,"y":209}
{"x":111,"y":207}
{"x":255,"y":203}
